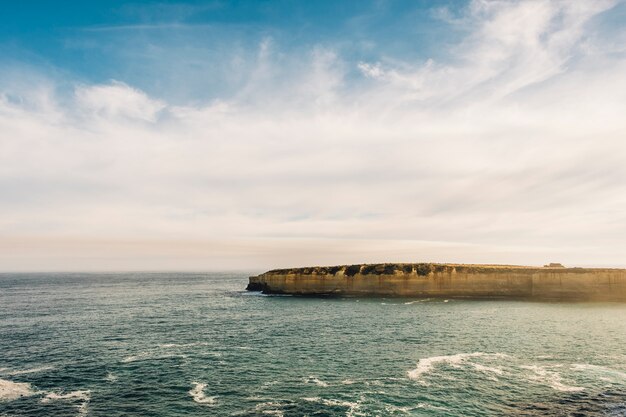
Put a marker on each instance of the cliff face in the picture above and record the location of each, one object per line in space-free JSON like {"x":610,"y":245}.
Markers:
{"x":448,"y":280}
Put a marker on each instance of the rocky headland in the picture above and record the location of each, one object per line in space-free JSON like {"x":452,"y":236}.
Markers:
{"x":551,"y":282}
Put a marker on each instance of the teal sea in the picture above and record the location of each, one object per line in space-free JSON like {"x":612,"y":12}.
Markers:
{"x":181,"y":344}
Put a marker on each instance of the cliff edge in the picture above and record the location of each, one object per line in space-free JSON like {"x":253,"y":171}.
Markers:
{"x":551,"y":282}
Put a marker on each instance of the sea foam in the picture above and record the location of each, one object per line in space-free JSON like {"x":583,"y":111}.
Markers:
{"x":111,"y":377}
{"x":427,"y":365}
{"x":10,"y":390}
{"x":198,"y":395}
{"x":315,"y":380}
{"x":353,"y":407}
{"x":82,"y":396}
{"x":28,"y":371}
{"x":151,"y":355}
{"x":417,"y":301}
{"x":550,"y":378}
{"x":73,"y":395}
{"x":182,"y":345}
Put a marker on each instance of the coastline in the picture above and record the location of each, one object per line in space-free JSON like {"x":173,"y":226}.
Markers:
{"x":447,"y":281}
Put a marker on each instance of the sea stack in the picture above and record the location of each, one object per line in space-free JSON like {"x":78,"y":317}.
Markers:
{"x":550,"y":282}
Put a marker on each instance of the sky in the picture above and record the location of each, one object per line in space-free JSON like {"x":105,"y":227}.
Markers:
{"x":249,"y":135}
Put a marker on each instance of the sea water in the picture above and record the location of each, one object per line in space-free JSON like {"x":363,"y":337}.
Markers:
{"x":174,"y":344}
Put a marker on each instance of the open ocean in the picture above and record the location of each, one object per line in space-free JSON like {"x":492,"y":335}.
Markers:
{"x":182,"y":344}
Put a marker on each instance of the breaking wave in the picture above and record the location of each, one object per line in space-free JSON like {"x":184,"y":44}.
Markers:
{"x":551,"y":378}
{"x":548,"y":375}
{"x":417,"y":301}
{"x":198,"y":395}
{"x":148,"y":356}
{"x":83,"y":397}
{"x":352,"y":407}
{"x":428,"y":365}
{"x":315,"y":380}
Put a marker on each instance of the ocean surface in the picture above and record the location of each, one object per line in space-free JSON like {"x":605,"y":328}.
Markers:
{"x":173,"y":344}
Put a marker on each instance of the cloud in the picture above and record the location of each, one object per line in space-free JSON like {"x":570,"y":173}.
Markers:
{"x":509,"y":150}
{"x":117,"y":101}
{"x":511,"y":45}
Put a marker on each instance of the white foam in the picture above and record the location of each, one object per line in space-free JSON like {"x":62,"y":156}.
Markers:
{"x":111,"y":377}
{"x":277,"y":413}
{"x":181,"y":345}
{"x":315,"y":380}
{"x":30,"y":371}
{"x":274,"y":412}
{"x":417,"y":301}
{"x":397,"y":409}
{"x":353,"y":407}
{"x":73,"y":395}
{"x":488,"y":369}
{"x":169,"y":345}
{"x":10,"y":390}
{"x":198,"y":395}
{"x":147,"y":356}
{"x":427,"y":365}
{"x":82,"y":396}
{"x":408,"y":409}
{"x":550,"y":378}
{"x":312,"y":399}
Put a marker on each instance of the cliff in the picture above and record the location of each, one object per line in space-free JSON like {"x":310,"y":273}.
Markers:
{"x":551,"y":282}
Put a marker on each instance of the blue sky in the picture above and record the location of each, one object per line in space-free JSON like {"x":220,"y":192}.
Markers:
{"x":231,"y":135}
{"x":152,"y":45}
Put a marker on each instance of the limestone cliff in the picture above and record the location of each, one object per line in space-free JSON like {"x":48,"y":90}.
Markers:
{"x":551,"y":282}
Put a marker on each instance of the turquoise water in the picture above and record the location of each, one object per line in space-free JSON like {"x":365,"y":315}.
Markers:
{"x":196,"y":344}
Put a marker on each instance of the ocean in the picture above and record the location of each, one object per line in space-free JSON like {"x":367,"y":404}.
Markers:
{"x":197,"y":344}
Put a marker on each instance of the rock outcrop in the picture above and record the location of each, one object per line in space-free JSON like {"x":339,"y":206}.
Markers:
{"x":552,"y":282}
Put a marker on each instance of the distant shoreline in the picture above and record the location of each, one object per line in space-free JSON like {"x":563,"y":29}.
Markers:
{"x":551,"y":282}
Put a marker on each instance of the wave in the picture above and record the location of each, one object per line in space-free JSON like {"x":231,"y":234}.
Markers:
{"x":353,"y":407}
{"x":277,"y":413}
{"x":10,"y":390}
{"x":83,"y":396}
{"x":110,"y":377}
{"x":198,"y":395}
{"x":315,"y":380}
{"x":181,"y":345}
{"x":427,"y":365}
{"x":605,"y":373}
{"x":550,"y":378}
{"x":390,"y":408}
{"x":538,"y":374}
{"x":417,"y":301}
{"x":273,"y":295}
{"x":72,"y":395}
{"x":148,"y":356}
{"x":27,"y":371}
{"x":490,"y":370}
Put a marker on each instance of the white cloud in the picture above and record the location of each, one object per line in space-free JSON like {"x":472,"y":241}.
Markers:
{"x":117,"y":101}
{"x":510,"y":151}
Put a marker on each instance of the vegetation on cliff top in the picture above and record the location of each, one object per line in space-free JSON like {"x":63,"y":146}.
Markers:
{"x":421,"y":269}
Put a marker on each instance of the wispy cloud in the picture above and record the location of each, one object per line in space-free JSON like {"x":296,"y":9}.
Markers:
{"x":511,"y":150}
{"x":145,"y":26}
